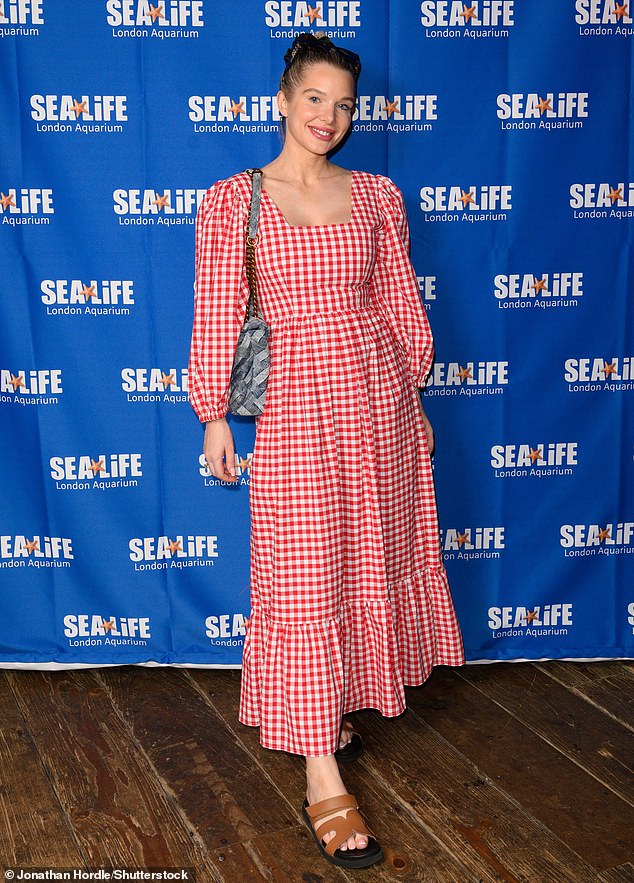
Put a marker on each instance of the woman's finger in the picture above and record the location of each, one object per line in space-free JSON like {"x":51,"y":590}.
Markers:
{"x":230,"y":457}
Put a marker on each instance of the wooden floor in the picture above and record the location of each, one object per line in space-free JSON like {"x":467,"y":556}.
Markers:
{"x":517,"y":772}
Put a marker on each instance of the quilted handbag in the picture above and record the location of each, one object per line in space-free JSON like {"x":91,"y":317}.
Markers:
{"x":250,"y":370}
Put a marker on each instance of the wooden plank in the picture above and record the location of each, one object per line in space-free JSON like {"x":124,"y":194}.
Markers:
{"x":283,"y":857}
{"x":608,"y":685}
{"x":622,"y":874}
{"x":34,"y":829}
{"x":225,"y":795}
{"x":465,"y":806}
{"x":583,"y":733}
{"x":120,"y":812}
{"x":414,"y":851}
{"x":576,"y":807}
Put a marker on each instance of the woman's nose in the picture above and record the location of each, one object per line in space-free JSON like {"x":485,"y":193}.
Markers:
{"x":327,"y":112}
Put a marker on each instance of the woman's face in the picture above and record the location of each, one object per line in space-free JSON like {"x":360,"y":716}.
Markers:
{"x":319,"y":110}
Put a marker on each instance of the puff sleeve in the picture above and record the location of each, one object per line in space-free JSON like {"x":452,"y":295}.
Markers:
{"x":220,"y":299}
{"x":395,"y":286}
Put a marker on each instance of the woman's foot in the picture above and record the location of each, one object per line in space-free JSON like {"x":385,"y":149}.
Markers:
{"x":346,"y":734}
{"x":322,"y":774}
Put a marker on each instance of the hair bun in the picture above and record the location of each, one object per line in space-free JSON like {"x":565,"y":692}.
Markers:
{"x":317,"y":45}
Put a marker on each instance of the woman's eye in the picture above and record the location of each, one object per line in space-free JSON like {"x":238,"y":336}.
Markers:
{"x":346,"y":107}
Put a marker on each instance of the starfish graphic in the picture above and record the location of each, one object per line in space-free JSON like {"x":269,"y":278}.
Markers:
{"x":536,"y":455}
{"x":465,"y":373}
{"x":79,"y":107}
{"x":161,"y":201}
{"x":615,"y":194}
{"x":468,"y":13}
{"x":544,"y":104}
{"x":609,"y":369}
{"x":88,"y":291}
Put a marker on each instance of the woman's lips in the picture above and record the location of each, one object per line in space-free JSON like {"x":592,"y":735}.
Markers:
{"x":322,"y":134}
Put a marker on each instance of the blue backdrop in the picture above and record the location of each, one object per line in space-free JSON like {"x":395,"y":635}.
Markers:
{"x":508,"y":127}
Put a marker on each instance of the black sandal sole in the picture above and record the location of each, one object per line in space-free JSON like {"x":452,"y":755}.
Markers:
{"x":351,"y":751}
{"x":369,"y":855}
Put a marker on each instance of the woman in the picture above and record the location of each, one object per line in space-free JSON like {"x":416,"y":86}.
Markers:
{"x":349,"y":597}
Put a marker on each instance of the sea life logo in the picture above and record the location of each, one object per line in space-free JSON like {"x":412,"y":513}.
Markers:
{"x":40,"y":552}
{"x":83,"y":472}
{"x":238,"y":115}
{"x":583,"y":540}
{"x":155,"y":385}
{"x":604,"y":18}
{"x":97,"y":297}
{"x":395,"y":113}
{"x":598,"y":374}
{"x":41,"y":386}
{"x":19,"y":18}
{"x":87,"y":114}
{"x":602,"y":200}
{"x":180,"y":552}
{"x":338,"y":19}
{"x":470,"y":378}
{"x":544,"y":291}
{"x":171,"y":19}
{"x":478,"y":202}
{"x":471,"y":543}
{"x":226,"y":629}
{"x":538,"y":621}
{"x":26,"y":205}
{"x":168,"y":208}
{"x":546,"y":111}
{"x":442,"y":19}
{"x":96,"y":630}
{"x":536,"y":461}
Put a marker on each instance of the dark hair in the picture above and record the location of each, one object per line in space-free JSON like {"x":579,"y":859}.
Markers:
{"x":311,"y":48}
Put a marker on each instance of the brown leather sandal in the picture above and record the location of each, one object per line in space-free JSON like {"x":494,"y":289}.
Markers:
{"x":346,"y":823}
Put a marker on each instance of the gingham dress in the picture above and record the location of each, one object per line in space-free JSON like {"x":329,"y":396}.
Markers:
{"x":349,"y":596}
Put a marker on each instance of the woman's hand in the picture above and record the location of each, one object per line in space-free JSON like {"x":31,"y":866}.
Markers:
{"x":218,"y":444}
{"x":429,"y":431}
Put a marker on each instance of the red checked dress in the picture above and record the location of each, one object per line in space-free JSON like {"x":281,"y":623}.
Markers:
{"x":349,"y":596}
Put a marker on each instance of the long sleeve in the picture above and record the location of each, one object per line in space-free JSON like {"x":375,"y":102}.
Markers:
{"x":395,"y":286}
{"x":220,"y":300}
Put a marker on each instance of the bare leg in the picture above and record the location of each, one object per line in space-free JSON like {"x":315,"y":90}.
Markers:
{"x":323,"y":780}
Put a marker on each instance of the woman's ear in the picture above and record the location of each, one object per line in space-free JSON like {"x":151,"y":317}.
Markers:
{"x":282,"y":103}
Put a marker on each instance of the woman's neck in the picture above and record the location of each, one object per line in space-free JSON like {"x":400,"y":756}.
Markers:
{"x":304,"y":168}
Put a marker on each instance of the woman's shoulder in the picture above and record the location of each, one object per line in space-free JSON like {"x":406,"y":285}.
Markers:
{"x":227,"y":193}
{"x":385,"y":191}
{"x":236,"y":184}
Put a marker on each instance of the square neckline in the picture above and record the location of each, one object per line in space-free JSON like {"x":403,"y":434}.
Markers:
{"x":317,"y":226}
